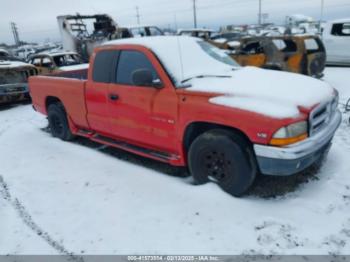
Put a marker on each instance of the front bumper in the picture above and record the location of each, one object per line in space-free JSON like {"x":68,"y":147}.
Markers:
{"x":289,"y":160}
{"x":13,"y":92}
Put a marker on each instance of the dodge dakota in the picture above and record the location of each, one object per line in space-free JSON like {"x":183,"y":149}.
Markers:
{"x":182,"y":101}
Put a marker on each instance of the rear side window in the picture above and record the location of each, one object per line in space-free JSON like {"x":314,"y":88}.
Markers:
{"x":104,"y":66}
{"x":311,"y":45}
{"x":341,"y":29}
{"x":130,"y":62}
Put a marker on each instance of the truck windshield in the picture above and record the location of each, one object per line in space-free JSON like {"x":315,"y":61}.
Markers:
{"x":217,"y":54}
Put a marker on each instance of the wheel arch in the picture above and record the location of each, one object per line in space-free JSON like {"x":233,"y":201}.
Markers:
{"x":49,"y":100}
{"x":195,"y":129}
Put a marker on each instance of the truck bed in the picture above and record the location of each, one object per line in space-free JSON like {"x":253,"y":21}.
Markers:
{"x":68,"y":87}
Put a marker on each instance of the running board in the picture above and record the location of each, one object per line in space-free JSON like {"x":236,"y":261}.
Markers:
{"x":157,"y":155}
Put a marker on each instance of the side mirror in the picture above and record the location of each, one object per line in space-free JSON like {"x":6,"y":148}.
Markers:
{"x":144,"y":77}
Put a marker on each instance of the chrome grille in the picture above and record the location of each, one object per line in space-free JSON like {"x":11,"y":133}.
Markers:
{"x":321,"y":116}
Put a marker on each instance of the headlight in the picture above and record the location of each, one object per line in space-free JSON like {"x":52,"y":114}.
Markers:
{"x":290,"y":134}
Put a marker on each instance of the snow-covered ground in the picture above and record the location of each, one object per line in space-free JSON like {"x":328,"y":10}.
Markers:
{"x":79,"y":197}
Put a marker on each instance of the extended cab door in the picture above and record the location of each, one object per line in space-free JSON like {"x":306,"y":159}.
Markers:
{"x":97,"y":87}
{"x":140,"y":112}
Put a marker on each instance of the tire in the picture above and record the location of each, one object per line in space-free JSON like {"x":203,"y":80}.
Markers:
{"x":225,"y":158}
{"x":58,"y":122}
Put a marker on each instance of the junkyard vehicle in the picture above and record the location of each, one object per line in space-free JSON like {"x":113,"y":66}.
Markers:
{"x":3,"y":54}
{"x":138,"y":31}
{"x":53,"y":62}
{"x":77,"y":35}
{"x":197,"y":32}
{"x":304,"y":54}
{"x":13,"y":81}
{"x":336,"y":37}
{"x":193,"y":107}
{"x":24,"y":52}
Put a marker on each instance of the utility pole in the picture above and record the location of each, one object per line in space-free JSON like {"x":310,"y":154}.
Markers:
{"x":175,"y":22}
{"x":15,"y":33}
{"x":194,"y":14}
{"x":259,"y":15}
{"x":138,"y":15}
{"x":321,"y":16}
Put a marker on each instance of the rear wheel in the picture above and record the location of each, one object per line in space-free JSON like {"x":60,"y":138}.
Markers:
{"x":225,"y":158}
{"x":58,"y":122}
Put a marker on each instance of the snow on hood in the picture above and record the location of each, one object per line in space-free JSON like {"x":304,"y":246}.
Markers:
{"x":13,"y":64}
{"x":74,"y":67}
{"x":272,"y":93}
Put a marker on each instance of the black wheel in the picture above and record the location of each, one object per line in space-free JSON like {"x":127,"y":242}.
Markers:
{"x":58,"y":122}
{"x":225,"y":158}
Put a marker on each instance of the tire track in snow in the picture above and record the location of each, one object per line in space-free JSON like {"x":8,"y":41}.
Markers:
{"x":28,"y":220}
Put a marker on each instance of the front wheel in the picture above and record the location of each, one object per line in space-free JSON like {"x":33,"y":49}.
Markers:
{"x":58,"y":122}
{"x":225,"y":158}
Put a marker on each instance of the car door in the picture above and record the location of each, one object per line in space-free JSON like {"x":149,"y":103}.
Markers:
{"x":143,"y":113}
{"x":337,"y":43}
{"x":96,"y":92}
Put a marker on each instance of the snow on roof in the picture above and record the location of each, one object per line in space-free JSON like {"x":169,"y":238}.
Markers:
{"x":342,"y":20}
{"x":301,"y":18}
{"x":13,"y":64}
{"x":196,"y":30}
{"x":4,"y":51}
{"x":182,"y":56}
{"x":137,"y":26}
{"x":56,"y":53}
{"x":74,"y":67}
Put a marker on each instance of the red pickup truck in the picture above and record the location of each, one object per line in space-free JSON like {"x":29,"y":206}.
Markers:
{"x":182,"y":101}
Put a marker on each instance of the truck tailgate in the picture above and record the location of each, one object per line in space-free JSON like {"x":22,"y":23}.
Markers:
{"x":71,"y":92}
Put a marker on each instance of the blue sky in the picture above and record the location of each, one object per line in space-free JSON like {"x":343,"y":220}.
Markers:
{"x":36,"y":19}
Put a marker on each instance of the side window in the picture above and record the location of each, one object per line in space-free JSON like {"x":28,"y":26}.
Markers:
{"x":36,"y":61}
{"x":311,"y":45}
{"x":341,"y":29}
{"x":103,"y":66}
{"x":155,"y":31}
{"x":131,"y":62}
{"x":253,"y":48}
{"x":46,"y":62}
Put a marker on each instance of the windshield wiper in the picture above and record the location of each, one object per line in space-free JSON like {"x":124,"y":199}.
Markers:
{"x":203,"y":76}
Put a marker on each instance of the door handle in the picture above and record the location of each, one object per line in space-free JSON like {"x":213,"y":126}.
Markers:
{"x":113,"y":97}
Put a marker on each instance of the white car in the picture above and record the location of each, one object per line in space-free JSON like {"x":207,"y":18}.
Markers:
{"x":336,"y":37}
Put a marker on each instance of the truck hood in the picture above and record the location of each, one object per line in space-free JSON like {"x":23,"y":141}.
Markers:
{"x":272,"y":93}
